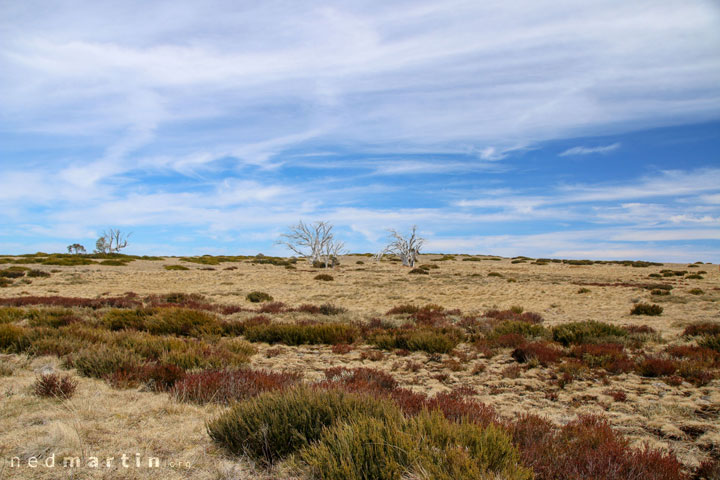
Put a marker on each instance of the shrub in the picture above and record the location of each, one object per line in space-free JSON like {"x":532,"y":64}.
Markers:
{"x":52,"y":317}
{"x":52,"y":385}
{"x":360,"y":379}
{"x":702,"y":328}
{"x":702,"y":355}
{"x":13,"y":338}
{"x":588,"y":448}
{"x":587,"y":332}
{"x":182,"y":322}
{"x":542,"y":352}
{"x":176,"y":267}
{"x":342,"y":348}
{"x":297,"y":334}
{"x":324,"y":277}
{"x":525,"y":329}
{"x":495,"y":274}
{"x":583,"y":290}
{"x":10,"y":314}
{"x":273,"y":425}
{"x":659,"y":293}
{"x":37,"y":274}
{"x":226,"y":386}
{"x":610,"y":356}
{"x":425,"y":339}
{"x":159,"y":377}
{"x":114,"y":263}
{"x":324,"y":309}
{"x":694,"y":276}
{"x":126,"y":319}
{"x":696,"y":291}
{"x":711,"y":342}
{"x":272,"y":307}
{"x":656,"y":367}
{"x":101,"y":361}
{"x":646,"y":309}
{"x":408,"y":309}
{"x":419,"y":271}
{"x":617,"y":395}
{"x":426,"y":446}
{"x":258,"y":297}
{"x":515,"y":314}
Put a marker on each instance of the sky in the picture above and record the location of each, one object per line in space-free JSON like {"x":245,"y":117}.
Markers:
{"x":556,"y":128}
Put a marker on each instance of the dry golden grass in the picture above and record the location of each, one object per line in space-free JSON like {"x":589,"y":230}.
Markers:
{"x":104,"y":422}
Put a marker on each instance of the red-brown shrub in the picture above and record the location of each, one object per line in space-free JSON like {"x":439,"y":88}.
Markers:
{"x":359,"y":379}
{"x":159,"y":377}
{"x":702,"y":328}
{"x":617,"y":395}
{"x":224,"y":386}
{"x":610,"y":356}
{"x":511,"y":340}
{"x":342,"y":348}
{"x":543,"y":352}
{"x":52,"y":385}
{"x":406,"y":309}
{"x":514,"y":315}
{"x":57,"y":301}
{"x":651,"y":366}
{"x":272,"y":307}
{"x":705,"y":356}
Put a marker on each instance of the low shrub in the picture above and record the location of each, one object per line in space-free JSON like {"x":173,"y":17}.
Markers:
{"x":696,"y":291}
{"x":710,"y":341}
{"x":101,"y":361}
{"x":407,"y":309}
{"x":541,"y":352}
{"x":495,"y":274}
{"x":51,"y":317}
{"x":610,"y":356}
{"x":13,"y":338}
{"x":617,"y":395}
{"x":653,"y":366}
{"x":659,"y":293}
{"x":588,"y":448}
{"x":525,"y":329}
{"x":55,"y":386}
{"x":324,"y":309}
{"x":583,"y":290}
{"x":426,"y":446}
{"x":324,"y":277}
{"x":113,"y":263}
{"x":342,"y":348}
{"x":182,"y":322}
{"x":419,"y":271}
{"x":702,"y":328}
{"x":646,"y":309}
{"x":273,"y":425}
{"x":426,"y":339}
{"x":272,"y":307}
{"x":514,"y":314}
{"x":301,"y":334}
{"x":37,"y":274}
{"x":696,"y":373}
{"x":694,"y":276}
{"x":11,"y":314}
{"x":258,"y":297}
{"x":226,"y":386}
{"x":702,"y":355}
{"x":587,"y":332}
{"x":158,"y":377}
{"x":176,"y":267}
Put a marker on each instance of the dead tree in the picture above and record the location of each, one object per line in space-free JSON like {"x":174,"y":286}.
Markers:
{"x":112,"y":241}
{"x":406,"y":249}
{"x":314,"y":241}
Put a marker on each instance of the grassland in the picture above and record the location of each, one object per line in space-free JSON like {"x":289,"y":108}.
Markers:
{"x":531,"y":358}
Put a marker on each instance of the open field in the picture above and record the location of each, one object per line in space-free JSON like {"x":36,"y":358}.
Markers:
{"x":155,"y":354}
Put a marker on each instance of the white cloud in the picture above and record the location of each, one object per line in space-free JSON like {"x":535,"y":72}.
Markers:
{"x":589,"y":150}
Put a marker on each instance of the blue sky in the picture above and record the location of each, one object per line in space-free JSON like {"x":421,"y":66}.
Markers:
{"x":552,"y":129}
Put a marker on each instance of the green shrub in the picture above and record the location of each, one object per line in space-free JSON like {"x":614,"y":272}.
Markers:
{"x":694,"y":276}
{"x":101,"y":361}
{"x":696,"y":291}
{"x":37,"y":274}
{"x":710,"y":341}
{"x":324,"y":277}
{"x":418,"y":271}
{"x":587,"y":332}
{"x":273,"y":425}
{"x":51,"y":317}
{"x":11,"y":314}
{"x":114,"y":263}
{"x":646,"y":309}
{"x":495,"y":274}
{"x":527,"y":330}
{"x":127,"y":319}
{"x":583,"y":290}
{"x":299,"y":334}
{"x":426,"y":446}
{"x":13,"y":338}
{"x":258,"y":297}
{"x":67,"y":261}
{"x":182,"y":322}
{"x":423,"y":339}
{"x":176,"y":267}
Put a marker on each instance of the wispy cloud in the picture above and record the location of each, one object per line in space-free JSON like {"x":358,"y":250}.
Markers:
{"x":590,"y":150}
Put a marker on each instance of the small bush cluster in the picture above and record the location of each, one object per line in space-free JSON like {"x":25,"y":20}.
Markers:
{"x":324,"y":277}
{"x":301,"y":334}
{"x":429,"y":340}
{"x":702,"y":328}
{"x":541,"y":352}
{"x":55,"y":386}
{"x":226,"y":386}
{"x":258,"y":297}
{"x":514,"y":314}
{"x":646,"y":309}
{"x":587,"y":332}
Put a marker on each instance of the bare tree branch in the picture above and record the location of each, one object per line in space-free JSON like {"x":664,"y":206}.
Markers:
{"x":313,"y":241}
{"x":406,"y":249}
